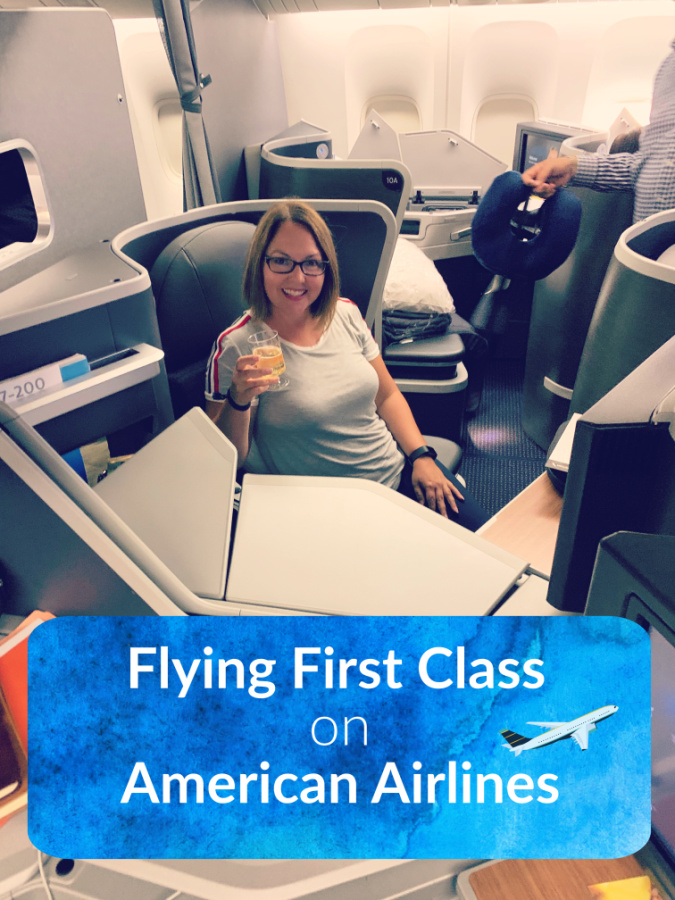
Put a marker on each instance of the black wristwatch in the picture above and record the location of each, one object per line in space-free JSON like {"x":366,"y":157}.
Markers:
{"x":240,"y":407}
{"x":424,"y":450}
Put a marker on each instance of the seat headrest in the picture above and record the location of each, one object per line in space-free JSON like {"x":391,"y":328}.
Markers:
{"x":196,"y":281}
{"x":531,"y":245}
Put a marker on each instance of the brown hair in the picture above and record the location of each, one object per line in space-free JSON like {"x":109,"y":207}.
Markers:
{"x":291,"y":210}
{"x":628,"y":142}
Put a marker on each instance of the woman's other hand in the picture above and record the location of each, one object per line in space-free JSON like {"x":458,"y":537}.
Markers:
{"x":432,"y":488}
{"x":249,"y":380}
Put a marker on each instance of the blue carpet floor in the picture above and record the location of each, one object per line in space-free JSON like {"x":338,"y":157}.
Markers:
{"x":499,"y":459}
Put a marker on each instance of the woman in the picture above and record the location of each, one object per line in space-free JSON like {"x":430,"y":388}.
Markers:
{"x":342,"y":413}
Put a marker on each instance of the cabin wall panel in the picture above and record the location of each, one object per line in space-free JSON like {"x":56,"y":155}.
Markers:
{"x":313,"y":48}
{"x":155,"y":113}
{"x":542,"y":53}
{"x":388,"y":60}
{"x":336,"y":62}
{"x":506,"y":62}
{"x":443,"y":64}
{"x":245,"y":103}
{"x":627,"y":57}
{"x":61,"y":90}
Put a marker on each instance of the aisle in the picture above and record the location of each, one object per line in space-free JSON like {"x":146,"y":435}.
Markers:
{"x":499,"y":459}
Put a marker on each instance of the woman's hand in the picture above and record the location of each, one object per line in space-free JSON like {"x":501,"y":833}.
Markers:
{"x":249,"y":380}
{"x":432,"y":488}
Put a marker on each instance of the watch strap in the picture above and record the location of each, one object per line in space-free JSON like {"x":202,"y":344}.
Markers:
{"x":424,"y":450}
{"x":240,"y":407}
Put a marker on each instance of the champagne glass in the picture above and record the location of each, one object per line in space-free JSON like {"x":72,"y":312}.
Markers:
{"x":267,"y":347}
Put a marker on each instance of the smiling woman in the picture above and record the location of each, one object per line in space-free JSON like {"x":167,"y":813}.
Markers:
{"x":341,"y":413}
{"x":290,"y":290}
{"x":293,"y":232}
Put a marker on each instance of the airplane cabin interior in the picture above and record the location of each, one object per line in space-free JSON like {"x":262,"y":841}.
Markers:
{"x":138,"y":152}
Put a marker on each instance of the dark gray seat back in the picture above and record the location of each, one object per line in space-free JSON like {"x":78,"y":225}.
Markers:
{"x":196,"y":281}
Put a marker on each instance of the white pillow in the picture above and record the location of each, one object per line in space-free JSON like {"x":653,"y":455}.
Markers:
{"x":414,"y":283}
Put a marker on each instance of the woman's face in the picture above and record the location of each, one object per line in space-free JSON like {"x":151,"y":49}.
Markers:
{"x":294,"y":291}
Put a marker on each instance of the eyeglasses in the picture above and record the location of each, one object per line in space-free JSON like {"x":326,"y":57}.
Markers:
{"x":284,"y":265}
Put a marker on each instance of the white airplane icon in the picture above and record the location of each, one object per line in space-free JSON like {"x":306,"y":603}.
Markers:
{"x":577,"y":729}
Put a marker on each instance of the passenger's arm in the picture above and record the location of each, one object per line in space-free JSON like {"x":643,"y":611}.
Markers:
{"x":431,"y":486}
{"x":248,"y":382}
{"x":600,"y":172}
{"x":609,"y":172}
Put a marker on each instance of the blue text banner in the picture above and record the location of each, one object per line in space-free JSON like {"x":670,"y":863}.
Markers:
{"x":339,"y":737}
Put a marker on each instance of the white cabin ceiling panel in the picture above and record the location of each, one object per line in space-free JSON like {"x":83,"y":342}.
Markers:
{"x":274,"y":7}
{"x":117,"y":9}
{"x":346,"y":4}
{"x":279,"y":6}
{"x":141,"y":9}
{"x":404,"y":4}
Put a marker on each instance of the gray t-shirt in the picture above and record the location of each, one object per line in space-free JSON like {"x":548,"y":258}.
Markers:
{"x":325,"y":422}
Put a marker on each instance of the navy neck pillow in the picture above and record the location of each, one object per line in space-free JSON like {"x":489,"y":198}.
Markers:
{"x":514,"y":244}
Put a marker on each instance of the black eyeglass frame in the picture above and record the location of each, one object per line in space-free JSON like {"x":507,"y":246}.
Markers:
{"x":323,"y":263}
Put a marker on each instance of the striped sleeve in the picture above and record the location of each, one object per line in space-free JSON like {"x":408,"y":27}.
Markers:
{"x":223,"y":359}
{"x":615,"y":172}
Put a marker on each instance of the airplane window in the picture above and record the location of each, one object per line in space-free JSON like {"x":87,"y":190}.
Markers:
{"x":24,"y":217}
{"x":401,"y":113}
{"x":495,"y":124}
{"x":170,"y":135}
{"x":18,"y":219}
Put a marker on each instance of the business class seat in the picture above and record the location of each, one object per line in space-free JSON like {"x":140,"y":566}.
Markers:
{"x":633,"y":317}
{"x":123,"y":548}
{"x":635,"y":311}
{"x":299,"y":163}
{"x":196,"y":280}
{"x":564,"y":302}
